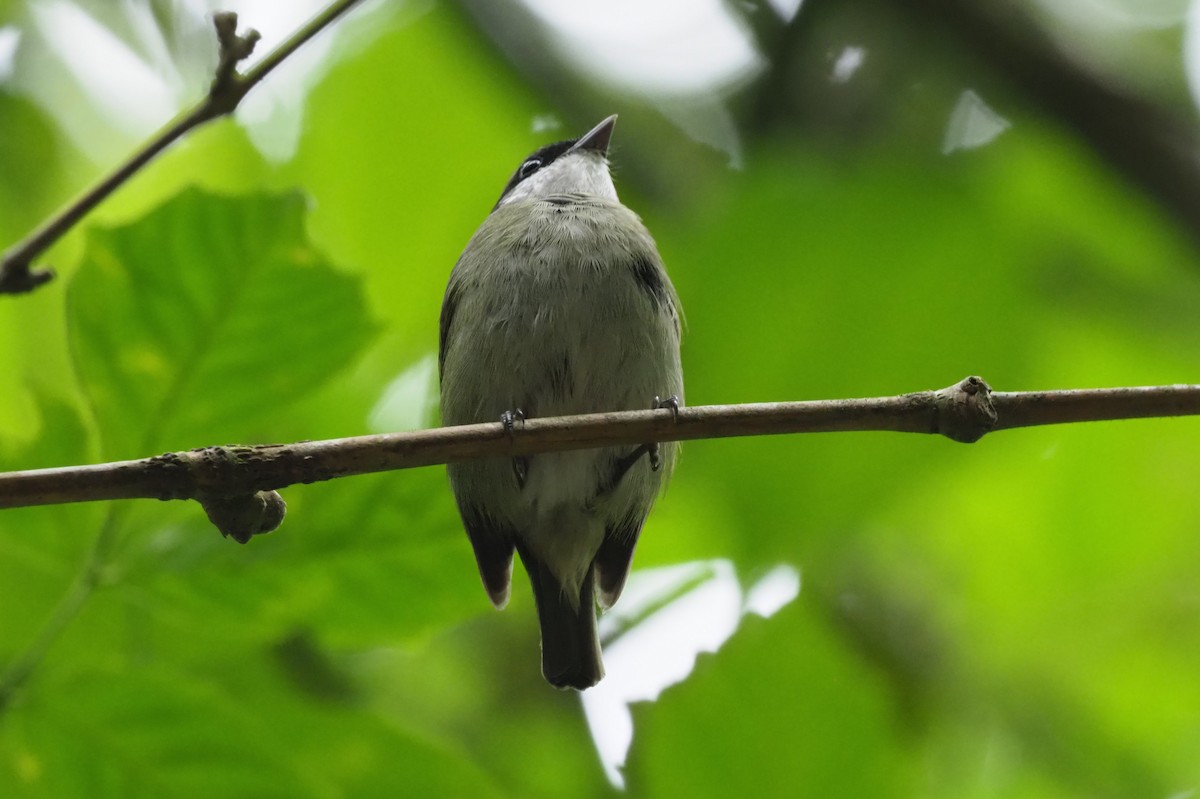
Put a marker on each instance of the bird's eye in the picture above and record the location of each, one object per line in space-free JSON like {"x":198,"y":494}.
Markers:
{"x":529,"y":167}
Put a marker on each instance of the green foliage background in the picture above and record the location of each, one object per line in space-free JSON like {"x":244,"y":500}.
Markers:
{"x":1018,"y":618}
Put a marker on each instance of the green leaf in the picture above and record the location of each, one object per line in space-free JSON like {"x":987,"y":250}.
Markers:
{"x":31,"y":163}
{"x":199,"y":322}
{"x":361,"y":562}
{"x":781,"y":710}
{"x":149,"y":734}
{"x":40,"y":546}
{"x":154,"y":730}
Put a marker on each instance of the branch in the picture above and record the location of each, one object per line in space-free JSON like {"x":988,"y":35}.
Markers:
{"x":237,"y":484}
{"x":1153,"y":146}
{"x":17,"y":275}
{"x":1148,"y":143}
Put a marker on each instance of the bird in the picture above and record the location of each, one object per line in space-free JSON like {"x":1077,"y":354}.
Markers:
{"x":560,"y":304}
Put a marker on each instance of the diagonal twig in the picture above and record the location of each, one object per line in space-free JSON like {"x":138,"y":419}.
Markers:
{"x":17,"y":274}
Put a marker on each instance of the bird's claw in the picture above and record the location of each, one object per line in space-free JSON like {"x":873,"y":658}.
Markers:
{"x":510,"y":418}
{"x":520,"y":465}
{"x":671,"y":402}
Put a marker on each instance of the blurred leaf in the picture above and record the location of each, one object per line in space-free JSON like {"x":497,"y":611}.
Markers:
{"x":134,"y":722}
{"x":195,"y":324}
{"x":833,"y":730}
{"x":157,"y":731}
{"x":359,"y":563}
{"x":40,"y":547}
{"x":29,"y":152}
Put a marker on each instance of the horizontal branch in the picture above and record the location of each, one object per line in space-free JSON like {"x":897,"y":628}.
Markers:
{"x":236,"y":484}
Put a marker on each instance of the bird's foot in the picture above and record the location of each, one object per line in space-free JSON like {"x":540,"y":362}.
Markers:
{"x":520,"y":465}
{"x":510,"y":418}
{"x":671,"y":402}
{"x":651,"y":450}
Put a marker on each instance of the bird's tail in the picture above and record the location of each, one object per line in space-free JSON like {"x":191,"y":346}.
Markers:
{"x":570,"y":645}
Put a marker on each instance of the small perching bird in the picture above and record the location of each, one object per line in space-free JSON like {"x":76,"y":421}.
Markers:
{"x":560,"y":305}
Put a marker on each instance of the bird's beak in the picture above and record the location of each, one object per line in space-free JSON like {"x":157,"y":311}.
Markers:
{"x":597,"y":138}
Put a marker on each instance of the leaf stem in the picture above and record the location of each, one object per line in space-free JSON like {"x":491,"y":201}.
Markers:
{"x":18,"y":672}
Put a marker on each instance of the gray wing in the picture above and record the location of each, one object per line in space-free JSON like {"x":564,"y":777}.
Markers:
{"x":651,"y":276}
{"x":493,"y":543}
{"x":615,"y":555}
{"x":449,"y":306}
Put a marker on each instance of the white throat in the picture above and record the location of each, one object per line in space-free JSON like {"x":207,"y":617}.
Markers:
{"x":579,"y":172}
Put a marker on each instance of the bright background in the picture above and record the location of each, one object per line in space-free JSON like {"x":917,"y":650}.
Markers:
{"x":853,"y":198}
